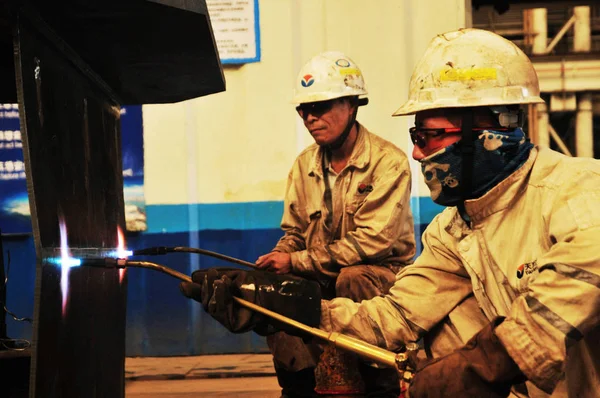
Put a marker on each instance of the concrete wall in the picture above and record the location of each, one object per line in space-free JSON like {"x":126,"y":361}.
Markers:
{"x":237,"y":146}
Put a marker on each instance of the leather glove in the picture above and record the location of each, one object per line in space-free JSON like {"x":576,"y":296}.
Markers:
{"x":482,"y":368}
{"x":288,"y":295}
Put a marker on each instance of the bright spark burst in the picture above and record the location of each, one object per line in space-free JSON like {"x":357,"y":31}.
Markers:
{"x":66,"y":262}
{"x":121,"y":252}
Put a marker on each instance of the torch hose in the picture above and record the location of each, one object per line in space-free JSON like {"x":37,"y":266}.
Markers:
{"x":220,"y":256}
{"x":366,"y":350}
{"x":159,"y":250}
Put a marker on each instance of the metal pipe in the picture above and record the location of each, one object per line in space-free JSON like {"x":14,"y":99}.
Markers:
{"x":560,"y":34}
{"x":582,"y":38}
{"x":563,"y":147}
{"x":539,"y":22}
{"x":543,"y":132}
{"x":584,"y":126}
{"x":381,"y":356}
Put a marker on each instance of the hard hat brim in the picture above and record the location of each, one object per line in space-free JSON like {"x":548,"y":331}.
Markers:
{"x":412,"y":107}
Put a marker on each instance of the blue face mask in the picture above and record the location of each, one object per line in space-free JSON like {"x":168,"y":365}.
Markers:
{"x":497,"y":154}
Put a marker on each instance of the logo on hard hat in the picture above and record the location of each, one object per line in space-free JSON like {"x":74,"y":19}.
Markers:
{"x":342,"y":63}
{"x":307,"y":80}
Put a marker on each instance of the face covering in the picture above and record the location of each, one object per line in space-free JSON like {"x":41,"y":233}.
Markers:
{"x":497,"y":154}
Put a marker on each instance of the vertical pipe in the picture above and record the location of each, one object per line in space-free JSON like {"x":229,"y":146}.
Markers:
{"x":539,"y":27}
{"x":584,"y":127}
{"x":468,"y":13}
{"x":532,"y":123}
{"x":582,"y":41}
{"x":299,"y":12}
{"x":543,"y":135}
{"x":194,"y":221}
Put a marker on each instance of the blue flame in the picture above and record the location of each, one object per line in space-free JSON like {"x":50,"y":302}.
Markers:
{"x":120,"y":253}
{"x":69,"y":263}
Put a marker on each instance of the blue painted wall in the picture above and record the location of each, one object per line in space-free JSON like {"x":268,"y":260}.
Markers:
{"x":160,"y":321}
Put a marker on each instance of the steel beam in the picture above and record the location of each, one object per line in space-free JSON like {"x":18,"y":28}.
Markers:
{"x":71,"y":143}
{"x":568,"y":75}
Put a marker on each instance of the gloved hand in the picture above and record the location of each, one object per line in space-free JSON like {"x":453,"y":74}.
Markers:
{"x":482,"y":368}
{"x":288,"y":295}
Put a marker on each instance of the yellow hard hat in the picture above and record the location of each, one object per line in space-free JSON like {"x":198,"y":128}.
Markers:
{"x":471,"y":67}
{"x":327,"y":76}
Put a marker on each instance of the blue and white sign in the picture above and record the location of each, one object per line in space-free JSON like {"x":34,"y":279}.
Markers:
{"x":14,"y":205}
{"x":236,"y":27}
{"x":15,"y":216}
{"x":132,"y":139}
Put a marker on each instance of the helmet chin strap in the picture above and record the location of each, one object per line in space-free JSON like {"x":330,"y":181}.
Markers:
{"x":337,"y":144}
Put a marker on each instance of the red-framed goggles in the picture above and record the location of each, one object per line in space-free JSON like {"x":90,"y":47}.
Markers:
{"x":420,"y":136}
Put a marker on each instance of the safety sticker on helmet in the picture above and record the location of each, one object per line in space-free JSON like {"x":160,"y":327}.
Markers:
{"x":460,"y":74}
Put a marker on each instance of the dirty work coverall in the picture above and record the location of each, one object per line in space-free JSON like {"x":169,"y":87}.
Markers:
{"x":532,"y":255}
{"x":353,"y":231}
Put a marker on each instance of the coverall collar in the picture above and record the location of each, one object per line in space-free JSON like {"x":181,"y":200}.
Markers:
{"x":502,"y":195}
{"x":359,"y":158}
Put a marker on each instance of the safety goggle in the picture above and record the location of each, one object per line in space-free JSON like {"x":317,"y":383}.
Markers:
{"x":317,"y":109}
{"x":420,"y":136}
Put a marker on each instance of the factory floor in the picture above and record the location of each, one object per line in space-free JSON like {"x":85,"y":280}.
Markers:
{"x":239,"y":375}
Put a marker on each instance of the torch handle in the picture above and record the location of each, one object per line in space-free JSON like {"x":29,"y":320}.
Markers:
{"x":374,"y":353}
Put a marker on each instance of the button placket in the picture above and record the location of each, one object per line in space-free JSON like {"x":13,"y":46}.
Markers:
{"x":469,"y":251}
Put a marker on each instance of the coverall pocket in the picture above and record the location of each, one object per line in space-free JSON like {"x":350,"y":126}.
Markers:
{"x":313,"y":230}
{"x":355,"y":203}
{"x":351,"y":209}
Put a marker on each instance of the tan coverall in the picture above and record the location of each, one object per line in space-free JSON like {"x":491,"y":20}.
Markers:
{"x":354,"y":230}
{"x":531,"y":255}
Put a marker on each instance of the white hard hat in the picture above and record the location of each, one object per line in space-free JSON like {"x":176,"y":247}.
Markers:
{"x":471,"y":67}
{"x":327,"y":76}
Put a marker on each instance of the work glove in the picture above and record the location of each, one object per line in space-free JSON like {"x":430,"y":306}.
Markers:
{"x":482,"y":368}
{"x":288,"y":295}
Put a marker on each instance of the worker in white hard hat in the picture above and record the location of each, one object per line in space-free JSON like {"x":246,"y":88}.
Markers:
{"x":511,"y":266}
{"x":347,"y":218}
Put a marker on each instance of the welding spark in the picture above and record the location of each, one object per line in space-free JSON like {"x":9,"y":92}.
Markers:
{"x":66,"y":262}
{"x":121,"y":252}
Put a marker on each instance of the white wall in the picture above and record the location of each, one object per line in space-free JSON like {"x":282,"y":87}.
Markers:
{"x":238,"y":146}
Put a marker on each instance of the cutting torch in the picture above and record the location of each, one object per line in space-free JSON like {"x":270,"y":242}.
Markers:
{"x":404,"y":362}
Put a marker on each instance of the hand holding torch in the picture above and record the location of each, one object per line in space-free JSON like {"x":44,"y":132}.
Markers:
{"x":403,"y":362}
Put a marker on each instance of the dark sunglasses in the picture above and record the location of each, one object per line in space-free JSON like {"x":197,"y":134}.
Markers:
{"x":420,"y":136}
{"x":317,"y":109}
